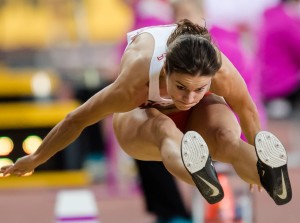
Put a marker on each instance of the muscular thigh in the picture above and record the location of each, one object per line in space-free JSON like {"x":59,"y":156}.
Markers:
{"x":136,"y":133}
{"x":213,"y":115}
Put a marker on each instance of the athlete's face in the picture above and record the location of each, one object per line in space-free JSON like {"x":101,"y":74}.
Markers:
{"x":186,"y":90}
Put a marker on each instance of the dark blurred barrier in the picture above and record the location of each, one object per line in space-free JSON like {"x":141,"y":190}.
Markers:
{"x":28,"y":112}
{"x":26,"y":124}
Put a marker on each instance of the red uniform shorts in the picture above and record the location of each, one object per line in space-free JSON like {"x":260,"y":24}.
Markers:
{"x":180,"y":119}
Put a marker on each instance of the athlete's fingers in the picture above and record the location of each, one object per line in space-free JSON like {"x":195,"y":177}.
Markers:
{"x":2,"y":171}
{"x":6,"y":170}
{"x":13,"y":170}
{"x":18,"y":173}
{"x":260,"y":189}
{"x":3,"y":168}
{"x":251,"y":188}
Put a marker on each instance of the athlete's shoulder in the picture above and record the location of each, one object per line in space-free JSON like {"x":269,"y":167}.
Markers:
{"x":140,"y":50}
{"x":222,"y":81}
{"x":136,"y":60}
{"x":228,"y":79}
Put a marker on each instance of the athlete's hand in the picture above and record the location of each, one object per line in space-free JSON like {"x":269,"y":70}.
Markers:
{"x":23,"y":166}
{"x":252,"y":188}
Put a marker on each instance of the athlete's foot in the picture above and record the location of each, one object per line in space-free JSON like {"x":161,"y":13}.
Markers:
{"x":272,"y":167}
{"x":196,"y":159}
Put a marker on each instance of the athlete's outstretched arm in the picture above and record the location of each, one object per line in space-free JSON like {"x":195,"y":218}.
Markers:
{"x":125,"y":94}
{"x":229,"y":83}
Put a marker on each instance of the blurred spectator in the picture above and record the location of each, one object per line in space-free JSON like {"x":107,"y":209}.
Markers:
{"x":228,"y":13}
{"x":227,"y":37}
{"x":279,"y":55}
{"x":149,"y":12}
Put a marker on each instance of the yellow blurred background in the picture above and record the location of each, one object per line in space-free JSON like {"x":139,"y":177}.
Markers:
{"x":42,"y":23}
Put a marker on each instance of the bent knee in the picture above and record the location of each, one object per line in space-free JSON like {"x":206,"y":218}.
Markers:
{"x":227,"y":140}
{"x":163,"y":124}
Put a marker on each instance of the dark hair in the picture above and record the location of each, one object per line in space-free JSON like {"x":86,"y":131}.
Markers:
{"x":190,"y":50}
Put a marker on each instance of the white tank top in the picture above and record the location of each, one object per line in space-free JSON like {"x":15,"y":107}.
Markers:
{"x":160,"y":35}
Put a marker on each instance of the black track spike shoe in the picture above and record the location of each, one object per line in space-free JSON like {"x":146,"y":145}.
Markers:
{"x":196,"y":159}
{"x":272,"y":167}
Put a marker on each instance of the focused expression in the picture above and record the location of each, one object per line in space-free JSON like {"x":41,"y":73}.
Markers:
{"x":186,"y":90}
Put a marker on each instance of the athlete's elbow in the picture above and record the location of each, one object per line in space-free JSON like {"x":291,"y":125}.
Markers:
{"x":251,"y":110}
{"x":130,"y":98}
{"x":72,"y":121}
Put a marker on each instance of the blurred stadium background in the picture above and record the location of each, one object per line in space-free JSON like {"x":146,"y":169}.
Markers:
{"x":53,"y":56}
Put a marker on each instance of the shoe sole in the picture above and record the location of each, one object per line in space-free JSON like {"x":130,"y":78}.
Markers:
{"x":270,"y":150}
{"x":272,"y":153}
{"x":195,"y":155}
{"x":194,"y":151}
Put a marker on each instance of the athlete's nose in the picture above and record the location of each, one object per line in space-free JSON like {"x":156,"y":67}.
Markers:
{"x":188,"y":98}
